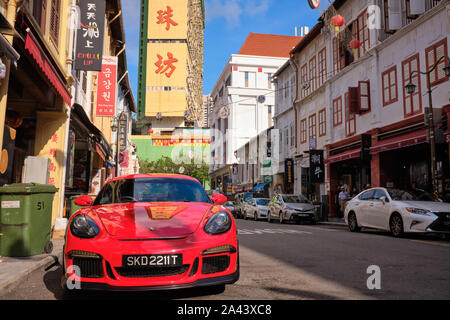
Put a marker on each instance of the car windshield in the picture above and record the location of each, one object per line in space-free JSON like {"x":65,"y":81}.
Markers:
{"x":228,"y":204}
{"x":411,"y":195}
{"x":262,"y":202}
{"x":152,"y":190}
{"x":296,"y":199}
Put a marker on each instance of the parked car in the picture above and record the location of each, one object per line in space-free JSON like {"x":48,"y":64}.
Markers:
{"x":257,"y":208}
{"x":239,"y":203}
{"x":295,"y":208}
{"x":230,"y":206}
{"x":151,"y":232}
{"x":397,"y":211}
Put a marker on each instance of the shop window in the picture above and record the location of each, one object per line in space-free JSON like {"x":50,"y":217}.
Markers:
{"x":337,"y":111}
{"x":433,"y":54}
{"x":350,"y":117}
{"x":390,"y":87}
{"x":341,"y":56}
{"x":363,"y":33}
{"x":312,"y":74}
{"x":312,"y":127}
{"x":54,"y":20}
{"x":412,"y":103}
{"x":364,"y":96}
{"x":322,"y":123}
{"x":322,"y":66}
{"x":303,"y":131}
{"x":40,"y":13}
{"x":304,"y":77}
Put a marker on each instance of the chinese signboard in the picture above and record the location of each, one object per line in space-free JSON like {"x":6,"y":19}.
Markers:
{"x":106,"y":91}
{"x":289,"y":171}
{"x":316,"y":166}
{"x":90,"y":35}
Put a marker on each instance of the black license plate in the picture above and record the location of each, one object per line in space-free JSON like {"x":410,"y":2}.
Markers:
{"x":152,"y":260}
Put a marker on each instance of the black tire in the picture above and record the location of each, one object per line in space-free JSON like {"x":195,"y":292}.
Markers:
{"x":268,"y":218}
{"x":245,"y":215}
{"x":396,"y":225}
{"x":256,"y":216}
{"x":353,"y":223}
{"x":48,"y":248}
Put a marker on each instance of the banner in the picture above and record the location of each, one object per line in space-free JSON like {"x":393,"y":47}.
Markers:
{"x":106,"y":88}
{"x":90,"y":35}
{"x":316,"y":166}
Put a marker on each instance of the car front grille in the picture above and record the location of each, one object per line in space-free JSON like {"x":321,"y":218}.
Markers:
{"x":150,"y":272}
{"x":442,"y":223}
{"x":215,"y":264}
{"x":88,"y":267}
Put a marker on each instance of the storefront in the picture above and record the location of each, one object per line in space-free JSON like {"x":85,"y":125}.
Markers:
{"x":89,"y":158}
{"x":346,"y":168}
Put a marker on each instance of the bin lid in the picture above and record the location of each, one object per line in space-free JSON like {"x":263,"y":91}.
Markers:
{"x":28,"y":188}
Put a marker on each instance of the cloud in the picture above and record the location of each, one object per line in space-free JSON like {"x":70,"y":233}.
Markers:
{"x":234,"y":10}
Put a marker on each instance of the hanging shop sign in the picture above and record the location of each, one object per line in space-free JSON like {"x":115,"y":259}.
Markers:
{"x":314,"y":4}
{"x":289,"y":171}
{"x":106,"y":91}
{"x":316,"y":166}
{"x":261,"y":99}
{"x":224,"y":112}
{"x":90,"y":35}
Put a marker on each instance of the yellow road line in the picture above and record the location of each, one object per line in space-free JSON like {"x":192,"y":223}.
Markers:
{"x":434,"y":243}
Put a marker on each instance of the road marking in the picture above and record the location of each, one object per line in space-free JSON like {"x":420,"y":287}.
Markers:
{"x":434,"y":243}
{"x":271,"y":231}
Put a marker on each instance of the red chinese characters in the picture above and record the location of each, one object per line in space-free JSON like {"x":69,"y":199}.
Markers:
{"x":106,"y":93}
{"x":165,"y":65}
{"x":166,"y":17}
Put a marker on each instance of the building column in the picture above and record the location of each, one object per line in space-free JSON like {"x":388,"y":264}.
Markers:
{"x":11,"y":17}
{"x":375,"y":168}
{"x":50,"y":143}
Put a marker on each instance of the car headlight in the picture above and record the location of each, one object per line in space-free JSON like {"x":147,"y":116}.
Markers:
{"x":84,"y":227}
{"x":219,"y":223}
{"x":419,"y":211}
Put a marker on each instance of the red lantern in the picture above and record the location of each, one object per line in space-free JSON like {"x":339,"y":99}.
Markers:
{"x":355,"y":45}
{"x":337,"y":21}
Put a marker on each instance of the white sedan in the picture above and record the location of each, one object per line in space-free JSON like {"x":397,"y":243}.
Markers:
{"x":256,"y":208}
{"x":397,"y":211}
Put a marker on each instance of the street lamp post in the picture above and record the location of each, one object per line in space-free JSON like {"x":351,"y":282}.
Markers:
{"x":410,"y":89}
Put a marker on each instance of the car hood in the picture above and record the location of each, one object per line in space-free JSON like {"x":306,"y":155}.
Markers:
{"x":151,"y":221}
{"x":427,"y":205}
{"x":300,"y":206}
{"x":263,"y":207}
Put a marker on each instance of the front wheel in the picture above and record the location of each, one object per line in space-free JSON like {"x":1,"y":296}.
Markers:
{"x":256,"y":216}
{"x":353,"y":223}
{"x":396,"y":225}
{"x":268,"y":218}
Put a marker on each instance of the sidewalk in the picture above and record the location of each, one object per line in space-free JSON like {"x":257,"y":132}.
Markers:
{"x":14,"y":269}
{"x":334,"y":222}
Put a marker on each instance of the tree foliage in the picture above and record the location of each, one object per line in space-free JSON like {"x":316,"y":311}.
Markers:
{"x":167,"y":165}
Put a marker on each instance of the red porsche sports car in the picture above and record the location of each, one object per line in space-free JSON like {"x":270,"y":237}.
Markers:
{"x":146,"y":232}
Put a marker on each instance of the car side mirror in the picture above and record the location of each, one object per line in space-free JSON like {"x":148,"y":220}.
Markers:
{"x":384,"y":200}
{"x":219,"y":198}
{"x":84,"y":201}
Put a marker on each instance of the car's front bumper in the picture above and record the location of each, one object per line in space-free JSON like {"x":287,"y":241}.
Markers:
{"x":303,"y":216}
{"x":107,"y":272}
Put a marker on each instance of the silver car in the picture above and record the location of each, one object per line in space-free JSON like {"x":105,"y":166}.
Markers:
{"x":256,"y":208}
{"x":295,"y":208}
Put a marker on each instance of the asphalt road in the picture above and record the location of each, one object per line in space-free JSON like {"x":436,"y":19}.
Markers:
{"x":302,"y":262}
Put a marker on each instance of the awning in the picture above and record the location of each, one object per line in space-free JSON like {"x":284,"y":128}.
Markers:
{"x":47,"y":67}
{"x":404,"y":140}
{"x":259,"y":187}
{"x":8,"y":50}
{"x":346,"y":155}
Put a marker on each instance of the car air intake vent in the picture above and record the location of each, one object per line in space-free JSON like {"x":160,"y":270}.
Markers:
{"x":215,"y":264}
{"x":89,"y":268}
{"x":148,"y":272}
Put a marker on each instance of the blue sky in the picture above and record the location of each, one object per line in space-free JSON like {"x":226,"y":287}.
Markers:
{"x":228,"y":22}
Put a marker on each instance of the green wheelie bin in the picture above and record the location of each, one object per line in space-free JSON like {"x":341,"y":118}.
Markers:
{"x":26,"y":219}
